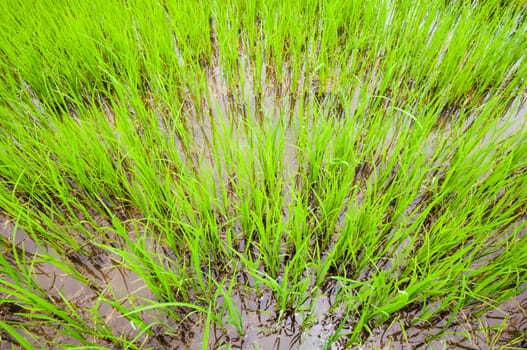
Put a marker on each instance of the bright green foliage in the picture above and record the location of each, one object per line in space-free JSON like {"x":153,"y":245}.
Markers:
{"x":371,"y":151}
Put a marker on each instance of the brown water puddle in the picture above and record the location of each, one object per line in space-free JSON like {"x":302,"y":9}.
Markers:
{"x":105,"y":279}
{"x":503,"y":328}
{"x":466,"y":332}
{"x":258,"y":317}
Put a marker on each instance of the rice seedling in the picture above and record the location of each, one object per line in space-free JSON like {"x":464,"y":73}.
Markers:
{"x":327,"y":168}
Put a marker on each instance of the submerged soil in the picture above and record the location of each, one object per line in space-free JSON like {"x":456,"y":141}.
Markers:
{"x":505,"y":327}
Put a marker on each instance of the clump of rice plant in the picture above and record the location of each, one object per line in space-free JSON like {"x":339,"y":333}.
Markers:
{"x":207,"y":175}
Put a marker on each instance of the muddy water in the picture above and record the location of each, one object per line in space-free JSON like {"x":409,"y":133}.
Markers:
{"x":262,"y":332}
{"x":105,"y":279}
{"x":466,"y":332}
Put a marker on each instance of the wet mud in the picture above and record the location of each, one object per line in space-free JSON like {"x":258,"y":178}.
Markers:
{"x":101,"y":278}
{"x":259,"y":327}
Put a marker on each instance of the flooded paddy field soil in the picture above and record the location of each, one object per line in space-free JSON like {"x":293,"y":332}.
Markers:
{"x":505,"y":327}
